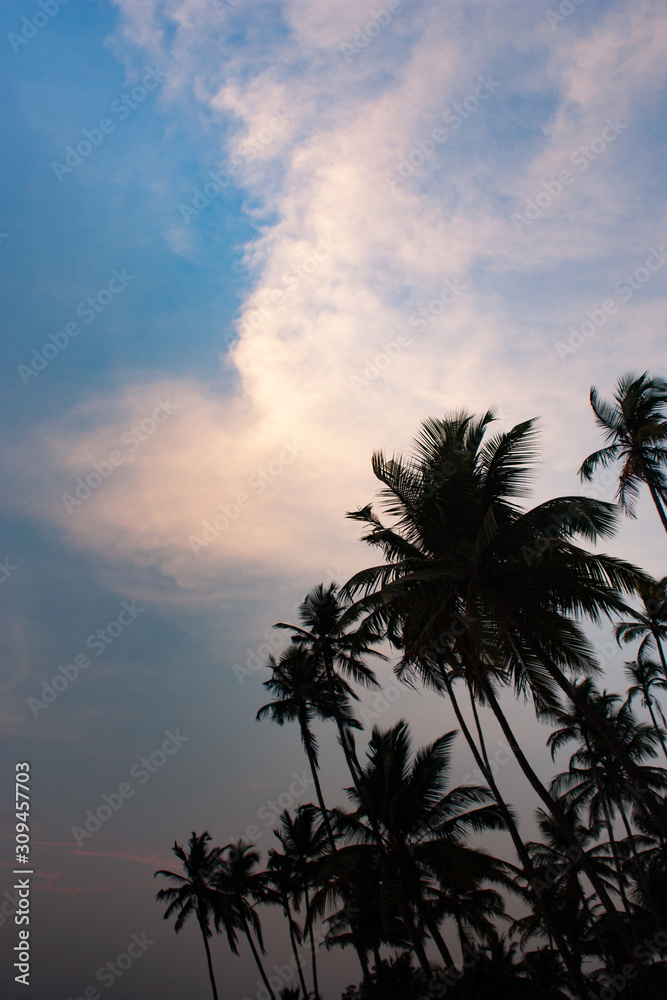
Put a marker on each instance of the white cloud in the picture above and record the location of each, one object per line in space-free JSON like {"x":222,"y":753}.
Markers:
{"x":349,"y":260}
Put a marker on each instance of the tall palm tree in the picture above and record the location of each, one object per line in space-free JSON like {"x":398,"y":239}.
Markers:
{"x":281,"y":878}
{"x":305,"y":689}
{"x":238,"y":888}
{"x":649,"y":624}
{"x":303,"y":693}
{"x":326,"y":634}
{"x":473,"y":581}
{"x":422,"y":853}
{"x":635,"y":428}
{"x":194,"y":891}
{"x":595,"y":777}
{"x":645,"y":677}
{"x":559,"y":876}
{"x":303,"y":841}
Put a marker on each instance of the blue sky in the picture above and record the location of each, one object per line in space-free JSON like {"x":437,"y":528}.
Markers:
{"x":373,"y":256}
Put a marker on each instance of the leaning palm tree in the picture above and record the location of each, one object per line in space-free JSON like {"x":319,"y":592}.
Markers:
{"x":635,"y":428}
{"x":337,"y":648}
{"x":303,"y":693}
{"x":238,"y":888}
{"x":194,"y":892}
{"x":303,"y":840}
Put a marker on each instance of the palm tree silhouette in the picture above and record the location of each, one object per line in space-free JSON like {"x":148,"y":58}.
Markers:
{"x":194,"y":892}
{"x":646,"y":676}
{"x":238,"y":887}
{"x":473,"y":582}
{"x":649,"y":624}
{"x":303,"y":842}
{"x":636,"y":433}
{"x":324,"y":632}
{"x":303,"y":693}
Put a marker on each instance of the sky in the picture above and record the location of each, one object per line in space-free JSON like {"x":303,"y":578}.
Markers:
{"x":245,"y":244}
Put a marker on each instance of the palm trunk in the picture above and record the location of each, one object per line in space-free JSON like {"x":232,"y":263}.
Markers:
{"x":556,"y":811}
{"x":414,"y":935}
{"x":258,"y":960}
{"x":649,"y":704}
{"x":657,"y":499}
{"x":526,"y":863}
{"x":208,"y":958}
{"x":661,"y":653}
{"x":332,"y":840}
{"x":614,"y":852}
{"x":292,"y":936}
{"x":312,"y":946}
{"x":318,"y":788}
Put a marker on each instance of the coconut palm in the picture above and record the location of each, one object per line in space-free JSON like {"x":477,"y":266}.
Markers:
{"x":194,"y":891}
{"x":635,"y":429}
{"x":594,"y":776}
{"x":305,"y":690}
{"x":239,"y":886}
{"x":646,"y":677}
{"x":337,"y":648}
{"x":474,"y":582}
{"x":303,"y":693}
{"x":281,"y":880}
{"x":649,"y":624}
{"x":422,"y":854}
{"x":304,"y":841}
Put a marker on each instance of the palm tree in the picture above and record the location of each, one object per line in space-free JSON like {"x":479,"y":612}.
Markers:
{"x":422,"y":853}
{"x":281,"y":879}
{"x":238,"y":887}
{"x":303,"y":842}
{"x":559,"y":876}
{"x":474,"y":582}
{"x":595,"y":777}
{"x":304,"y":692}
{"x":646,"y":676}
{"x":324,"y":632}
{"x":636,"y":434}
{"x":649,"y":624}
{"x":194,"y":892}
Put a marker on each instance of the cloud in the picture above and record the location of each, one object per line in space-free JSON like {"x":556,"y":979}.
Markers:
{"x":351,"y":262}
